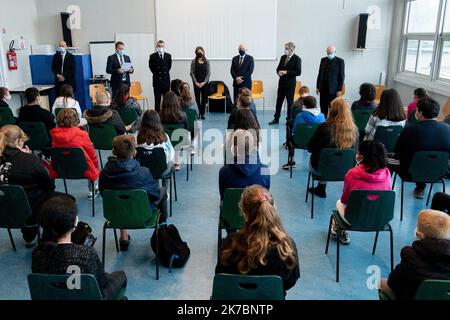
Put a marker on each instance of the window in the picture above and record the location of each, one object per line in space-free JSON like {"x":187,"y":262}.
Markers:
{"x":426,"y":51}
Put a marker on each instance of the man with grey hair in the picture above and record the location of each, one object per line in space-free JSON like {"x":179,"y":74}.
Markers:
{"x":330,"y":81}
{"x":63,"y":67}
{"x":242,"y":67}
{"x":288,"y":70}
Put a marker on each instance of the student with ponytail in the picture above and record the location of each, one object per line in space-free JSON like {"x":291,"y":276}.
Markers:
{"x":262,"y":247}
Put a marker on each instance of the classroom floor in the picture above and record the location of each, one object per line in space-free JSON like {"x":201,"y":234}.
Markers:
{"x":196,"y":216}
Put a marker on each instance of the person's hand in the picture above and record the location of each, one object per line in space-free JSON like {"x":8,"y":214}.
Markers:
{"x":131,"y":70}
{"x":282,"y":73}
{"x":25,"y":149}
{"x":339,"y":94}
{"x":120,"y":71}
{"x":239,"y":80}
{"x":198,"y":85}
{"x":128,"y":128}
{"x":60,"y":77}
{"x":202,"y":84}
{"x":318,"y":92}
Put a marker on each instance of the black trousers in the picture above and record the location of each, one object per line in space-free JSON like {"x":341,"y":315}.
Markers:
{"x":441,"y":202}
{"x":201,"y":97}
{"x":325,"y":101}
{"x":288,"y":94}
{"x":159,"y":95}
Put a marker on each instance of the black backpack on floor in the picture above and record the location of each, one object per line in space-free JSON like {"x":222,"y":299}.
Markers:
{"x":173,"y":251}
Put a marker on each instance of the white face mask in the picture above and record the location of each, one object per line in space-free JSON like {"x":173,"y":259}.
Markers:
{"x":160,"y":50}
{"x":287,"y":52}
{"x":8,"y":98}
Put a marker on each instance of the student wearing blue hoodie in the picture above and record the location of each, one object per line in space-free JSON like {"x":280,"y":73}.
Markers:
{"x":123,"y":172}
{"x":310,"y":114}
{"x":247,"y":168}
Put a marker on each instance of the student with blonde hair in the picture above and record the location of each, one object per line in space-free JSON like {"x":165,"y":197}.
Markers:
{"x":428,"y":257}
{"x":262,"y":247}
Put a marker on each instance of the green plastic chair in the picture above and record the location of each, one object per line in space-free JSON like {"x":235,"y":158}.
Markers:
{"x":71,"y":164}
{"x":230,"y":214}
{"x":388,"y":136}
{"x":128,"y":115}
{"x":433,"y":290}
{"x":178,"y":134}
{"x":6,"y":117}
{"x":239,"y":287}
{"x":155,"y":161}
{"x":426,"y":167}
{"x":129,"y":209}
{"x":302,"y":135}
{"x":191,"y":115}
{"x":367,"y":211}
{"x":14,"y":209}
{"x":412,"y":119}
{"x":333,"y":166}
{"x":37,"y":133}
{"x":102,"y":136}
{"x":361,"y":117}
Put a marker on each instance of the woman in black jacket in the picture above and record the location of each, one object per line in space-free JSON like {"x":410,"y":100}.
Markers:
{"x":200,"y":73}
{"x":262,"y":247}
{"x":56,"y":253}
{"x":18,"y":166}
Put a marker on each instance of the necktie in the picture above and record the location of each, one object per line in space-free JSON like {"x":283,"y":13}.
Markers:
{"x":121,"y":60}
{"x":287,"y":61}
{"x":241,"y":60}
{"x":124,"y":75}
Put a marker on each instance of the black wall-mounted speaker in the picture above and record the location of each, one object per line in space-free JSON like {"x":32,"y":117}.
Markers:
{"x":67,"y":33}
{"x":362,"y":31}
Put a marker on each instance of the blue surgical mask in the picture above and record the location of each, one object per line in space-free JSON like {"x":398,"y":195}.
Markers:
{"x":62,"y":50}
{"x":331,"y":56}
{"x":121,"y":52}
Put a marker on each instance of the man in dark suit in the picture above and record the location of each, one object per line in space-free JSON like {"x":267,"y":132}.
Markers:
{"x":330,"y":81}
{"x":63,"y":67}
{"x":160,"y":64}
{"x":242,"y":67}
{"x":288,"y":70}
{"x":114,"y":65}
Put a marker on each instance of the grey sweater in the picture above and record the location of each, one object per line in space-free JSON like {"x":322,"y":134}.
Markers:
{"x":208,"y":68}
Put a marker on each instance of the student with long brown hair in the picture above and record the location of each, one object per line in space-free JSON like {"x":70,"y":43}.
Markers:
{"x":200,"y":73}
{"x":171,"y":112}
{"x":337,"y":132}
{"x":262,"y":247}
{"x":186,"y":100}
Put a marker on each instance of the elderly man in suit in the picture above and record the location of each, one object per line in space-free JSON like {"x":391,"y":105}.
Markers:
{"x":63,"y":67}
{"x":242,"y":67}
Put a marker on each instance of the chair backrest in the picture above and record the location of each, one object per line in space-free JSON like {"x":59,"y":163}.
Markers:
{"x":229,"y":211}
{"x":6,"y":117}
{"x":379,"y":91}
{"x":69,"y":163}
{"x":37,"y":134}
{"x":412,"y":119}
{"x":428,"y":166}
{"x":55,"y":287}
{"x":239,"y":287}
{"x":128,"y":115}
{"x":370,"y":210}
{"x":220,"y":89}
{"x":303,"y":134}
{"x":433,"y":290}
{"x":14,"y":207}
{"x":155,"y":160}
{"x":175,"y":133}
{"x":361,"y":117}
{"x":102,"y":135}
{"x":93,"y":89}
{"x":297,"y":90}
{"x":388,"y":136}
{"x":135,"y":88}
{"x":191,"y":115}
{"x":335,"y":163}
{"x":128,"y":209}
{"x":257,"y":87}
{"x":445,"y":112}
{"x":344,"y":89}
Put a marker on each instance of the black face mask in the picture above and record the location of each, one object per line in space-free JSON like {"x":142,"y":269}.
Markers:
{"x":199,"y":55}
{"x":242,"y":53}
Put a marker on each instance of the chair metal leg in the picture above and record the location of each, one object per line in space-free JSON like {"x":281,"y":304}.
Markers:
{"x":187,"y":167}
{"x":375,"y":243}
{"x":104,"y":245}
{"x":401,"y":201}
{"x":219,"y":241}
{"x":429,"y":194}
{"x":192,"y":161}
{"x":329,"y":235}
{"x":312,"y":201}
{"x":337,"y":253}
{"x":116,"y":241}
{"x":175,"y":186}
{"x":100,"y":157}
{"x":307,"y":187}
{"x":391,"y":239}
{"x":170,"y":200}
{"x":395,"y":179}
{"x":291,"y":170}
{"x":157,"y":253}
{"x":12,"y":240}
{"x":443,"y":185}
{"x":93,"y":199}
{"x":65,"y":186}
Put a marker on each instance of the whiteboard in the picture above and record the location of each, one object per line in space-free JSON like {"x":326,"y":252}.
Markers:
{"x":219,"y":26}
{"x":100,"y":51}
{"x":139,"y":46}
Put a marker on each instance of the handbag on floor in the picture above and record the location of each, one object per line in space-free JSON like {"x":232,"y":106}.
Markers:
{"x":173,"y":251}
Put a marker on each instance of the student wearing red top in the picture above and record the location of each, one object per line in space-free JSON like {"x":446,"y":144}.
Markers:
{"x":69,"y":135}
{"x":371,"y":174}
{"x":419,"y":93}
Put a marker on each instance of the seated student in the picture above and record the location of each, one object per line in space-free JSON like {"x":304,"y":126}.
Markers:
{"x":389,"y":113}
{"x":426,"y":135}
{"x":244,"y":101}
{"x":102,"y":113}
{"x":367,"y":92}
{"x":175,"y":86}
{"x":33,"y":112}
{"x":122,"y":172}
{"x":246,"y":168}
{"x":297,"y":107}
{"x":419,"y":93}
{"x":310,"y":114}
{"x":69,"y":135}
{"x":262,"y":247}
{"x":370,"y":174}
{"x":244,"y":120}
{"x":18,"y":166}
{"x":441,"y":202}
{"x":171,"y":112}
{"x":123,"y":100}
{"x":57,"y":253}
{"x":427,"y":259}
{"x":338,"y":131}
{"x":186,"y":100}
{"x":66,"y":99}
{"x":5,"y":97}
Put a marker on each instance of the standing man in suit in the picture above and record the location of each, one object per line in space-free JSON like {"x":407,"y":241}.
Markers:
{"x":288,"y":70}
{"x":242,"y":67}
{"x":114,"y":67}
{"x":63,"y":67}
{"x":160,"y":64}
{"x":330,"y":81}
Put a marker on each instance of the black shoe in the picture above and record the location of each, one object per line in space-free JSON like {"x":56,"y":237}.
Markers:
{"x":318,"y":191}
{"x":286,"y":145}
{"x":202,"y":117}
{"x":273,"y":122}
{"x":30,"y":244}
{"x":288,"y":165}
{"x":124,"y":244}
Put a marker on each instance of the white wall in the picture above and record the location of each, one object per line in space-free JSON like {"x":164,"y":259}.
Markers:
{"x":312,"y":25}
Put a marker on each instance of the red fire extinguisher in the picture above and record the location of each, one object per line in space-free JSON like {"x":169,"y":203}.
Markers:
{"x":12,"y":57}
